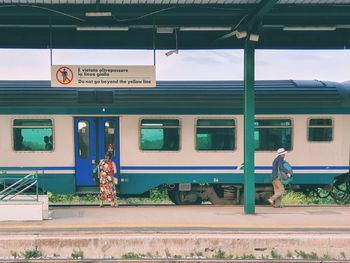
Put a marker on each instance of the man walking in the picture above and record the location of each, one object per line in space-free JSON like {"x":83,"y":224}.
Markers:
{"x":278,"y":188}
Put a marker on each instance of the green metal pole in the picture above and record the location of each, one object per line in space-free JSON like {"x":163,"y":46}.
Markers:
{"x":249,"y":108}
{"x":36,"y":186}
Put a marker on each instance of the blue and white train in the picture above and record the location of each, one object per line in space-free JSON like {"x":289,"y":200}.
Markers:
{"x":184,"y":136}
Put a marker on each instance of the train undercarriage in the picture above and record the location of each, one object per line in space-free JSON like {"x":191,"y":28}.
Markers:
{"x":187,"y":194}
{"x":192,"y":194}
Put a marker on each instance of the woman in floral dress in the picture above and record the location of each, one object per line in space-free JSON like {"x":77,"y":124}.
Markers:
{"x":107,"y":170}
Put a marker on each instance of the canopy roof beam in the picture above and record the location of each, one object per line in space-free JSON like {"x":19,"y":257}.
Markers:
{"x":280,"y":25}
{"x":256,"y":17}
{"x":253,"y":21}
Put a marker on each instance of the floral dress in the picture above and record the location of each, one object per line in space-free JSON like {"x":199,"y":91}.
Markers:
{"x":107,"y":187}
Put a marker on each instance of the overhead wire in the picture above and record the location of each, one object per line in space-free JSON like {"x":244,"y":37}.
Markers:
{"x":113,"y":16}
{"x":46,"y":9}
{"x":145,"y":15}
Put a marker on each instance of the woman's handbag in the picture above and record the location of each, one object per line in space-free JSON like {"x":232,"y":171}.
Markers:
{"x":95,"y":173}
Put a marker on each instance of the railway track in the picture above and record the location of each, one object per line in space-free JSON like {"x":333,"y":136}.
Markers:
{"x":180,"y":260}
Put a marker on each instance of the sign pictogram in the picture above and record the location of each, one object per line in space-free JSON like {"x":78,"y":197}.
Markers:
{"x":64,"y":75}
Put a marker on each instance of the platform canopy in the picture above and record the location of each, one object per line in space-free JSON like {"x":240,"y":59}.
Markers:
{"x":174,"y":24}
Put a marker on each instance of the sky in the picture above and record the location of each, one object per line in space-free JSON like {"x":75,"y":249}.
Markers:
{"x":332,"y":65}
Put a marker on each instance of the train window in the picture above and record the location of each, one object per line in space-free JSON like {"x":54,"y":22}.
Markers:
{"x":110,"y":137}
{"x":33,"y":135}
{"x":271,"y":134}
{"x":215,"y":135}
{"x":320,"y":130}
{"x":160,"y":135}
{"x":83,"y":139}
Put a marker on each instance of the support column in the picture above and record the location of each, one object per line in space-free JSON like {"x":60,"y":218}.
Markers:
{"x":249,"y":109}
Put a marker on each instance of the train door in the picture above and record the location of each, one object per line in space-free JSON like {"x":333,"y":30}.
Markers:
{"x":94,"y":137}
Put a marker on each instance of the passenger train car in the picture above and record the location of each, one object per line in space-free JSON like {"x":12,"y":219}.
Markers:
{"x":184,"y":136}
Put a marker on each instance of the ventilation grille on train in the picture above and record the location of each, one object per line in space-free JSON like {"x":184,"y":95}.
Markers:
{"x":95,"y":97}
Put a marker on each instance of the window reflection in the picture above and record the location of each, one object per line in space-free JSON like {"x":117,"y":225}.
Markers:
{"x":215,"y":135}
{"x":32,"y":135}
{"x":160,"y":135}
{"x":109,"y":136}
{"x":83,"y":139}
{"x":320,"y":130}
{"x":271,"y":134}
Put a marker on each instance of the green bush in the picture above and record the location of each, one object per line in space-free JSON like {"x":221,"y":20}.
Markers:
{"x":131,"y":255}
{"x":159,"y":195}
{"x":219,"y":254}
{"x":156,"y":196}
{"x":297,"y":198}
{"x":275,"y":255}
{"x":32,"y":253}
{"x":77,"y":254}
{"x":247,"y":256}
{"x":14,"y":254}
{"x":305,"y":255}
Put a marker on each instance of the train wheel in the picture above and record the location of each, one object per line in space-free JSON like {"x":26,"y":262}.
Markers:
{"x":185,"y":197}
{"x":223,"y":195}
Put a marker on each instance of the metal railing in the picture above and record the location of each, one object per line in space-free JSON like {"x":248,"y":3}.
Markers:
{"x":15,"y":185}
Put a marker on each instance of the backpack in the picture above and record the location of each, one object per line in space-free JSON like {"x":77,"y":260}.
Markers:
{"x":282,"y":176}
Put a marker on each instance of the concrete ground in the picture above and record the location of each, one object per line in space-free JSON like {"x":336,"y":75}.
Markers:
{"x":197,"y":231}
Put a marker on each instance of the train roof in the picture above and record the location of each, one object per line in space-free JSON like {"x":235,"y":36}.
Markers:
{"x":177,"y":97}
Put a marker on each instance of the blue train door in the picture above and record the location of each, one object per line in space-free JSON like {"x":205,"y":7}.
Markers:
{"x":94,"y":136}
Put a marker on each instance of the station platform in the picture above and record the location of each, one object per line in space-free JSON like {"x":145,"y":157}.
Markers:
{"x":167,"y":230}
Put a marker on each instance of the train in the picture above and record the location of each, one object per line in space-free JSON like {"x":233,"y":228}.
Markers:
{"x":182,"y":136}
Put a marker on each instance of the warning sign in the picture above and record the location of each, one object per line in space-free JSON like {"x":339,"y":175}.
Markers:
{"x":74,"y":76}
{"x":64,"y":75}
